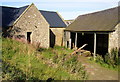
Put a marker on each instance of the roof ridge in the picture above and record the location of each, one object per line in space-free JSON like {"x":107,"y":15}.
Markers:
{"x":14,"y":7}
{"x":9,"y":7}
{"x":98,"y":11}
{"x":24,"y":6}
{"x":48,"y":11}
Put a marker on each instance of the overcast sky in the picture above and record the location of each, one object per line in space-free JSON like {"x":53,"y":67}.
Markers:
{"x":69,"y":9}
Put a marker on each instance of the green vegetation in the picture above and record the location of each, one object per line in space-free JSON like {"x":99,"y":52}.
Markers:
{"x":24,"y":62}
{"x":0,"y":57}
{"x":110,"y":60}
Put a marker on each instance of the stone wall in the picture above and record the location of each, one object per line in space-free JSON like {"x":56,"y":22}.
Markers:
{"x":58,"y":32}
{"x":119,"y":35}
{"x":67,"y":39}
{"x":114,"y":38}
{"x":33,"y":21}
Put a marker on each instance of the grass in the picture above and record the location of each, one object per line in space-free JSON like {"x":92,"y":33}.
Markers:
{"x":0,"y":58}
{"x":101,"y":61}
{"x":24,"y":62}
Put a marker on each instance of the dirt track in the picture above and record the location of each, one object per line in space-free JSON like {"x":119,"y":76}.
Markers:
{"x":97,"y":72}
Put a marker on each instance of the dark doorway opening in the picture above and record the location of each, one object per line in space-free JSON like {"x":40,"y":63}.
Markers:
{"x":88,"y":38}
{"x":67,"y":44}
{"x":29,"y":37}
{"x":102,"y":44}
{"x":72,"y":39}
{"x":84,"y":38}
{"x":52,"y":39}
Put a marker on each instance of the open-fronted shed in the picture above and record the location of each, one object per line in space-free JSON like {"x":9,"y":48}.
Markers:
{"x":100,"y":30}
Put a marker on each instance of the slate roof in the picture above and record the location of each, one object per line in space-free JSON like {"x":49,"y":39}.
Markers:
{"x":105,"y":20}
{"x":53,"y":19}
{"x":9,"y":15}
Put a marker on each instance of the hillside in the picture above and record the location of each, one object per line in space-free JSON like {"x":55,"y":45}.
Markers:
{"x":25,"y":62}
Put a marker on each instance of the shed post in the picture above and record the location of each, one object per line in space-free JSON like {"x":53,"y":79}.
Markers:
{"x":76,"y":40}
{"x":94,"y":45}
{"x":70,"y":43}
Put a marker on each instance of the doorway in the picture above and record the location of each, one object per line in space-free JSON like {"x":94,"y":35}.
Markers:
{"x":52,"y":39}
{"x":72,"y":40}
{"x":102,"y":44}
{"x":29,"y":37}
{"x":86,"y":38}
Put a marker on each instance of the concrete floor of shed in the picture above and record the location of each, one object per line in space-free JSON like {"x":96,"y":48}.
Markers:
{"x":97,"y":72}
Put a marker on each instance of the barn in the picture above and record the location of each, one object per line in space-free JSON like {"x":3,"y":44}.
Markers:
{"x":32,"y":25}
{"x":100,"y":30}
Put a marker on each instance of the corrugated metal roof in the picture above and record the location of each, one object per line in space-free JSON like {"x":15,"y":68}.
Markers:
{"x":99,"y":21}
{"x":53,"y":19}
{"x":9,"y":15}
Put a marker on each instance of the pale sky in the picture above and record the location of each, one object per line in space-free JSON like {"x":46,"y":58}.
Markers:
{"x":68,"y":9}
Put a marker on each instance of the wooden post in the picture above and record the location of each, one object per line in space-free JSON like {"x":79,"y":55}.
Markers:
{"x":70,"y":43}
{"x":66,"y":44}
{"x":94,"y":45}
{"x":76,"y":40}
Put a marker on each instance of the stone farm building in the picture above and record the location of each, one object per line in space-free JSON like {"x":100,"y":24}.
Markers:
{"x":68,"y":22}
{"x":100,"y":30}
{"x":35,"y":26}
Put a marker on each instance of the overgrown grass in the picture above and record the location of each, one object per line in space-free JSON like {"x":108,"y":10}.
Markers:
{"x":24,"y":62}
{"x":0,"y":57}
{"x":110,"y":60}
{"x":61,"y":57}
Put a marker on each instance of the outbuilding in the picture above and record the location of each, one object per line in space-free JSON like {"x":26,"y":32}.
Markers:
{"x":100,"y":30}
{"x":44,"y":28}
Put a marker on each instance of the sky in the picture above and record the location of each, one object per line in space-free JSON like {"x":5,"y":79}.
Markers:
{"x":68,"y":9}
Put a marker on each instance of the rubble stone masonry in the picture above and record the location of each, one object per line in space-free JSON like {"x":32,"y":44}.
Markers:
{"x":58,"y":32}
{"x":114,"y":38}
{"x":32,"y":21}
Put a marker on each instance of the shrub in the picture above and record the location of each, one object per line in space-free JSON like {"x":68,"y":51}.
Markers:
{"x":99,"y":59}
{"x":112,"y":58}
